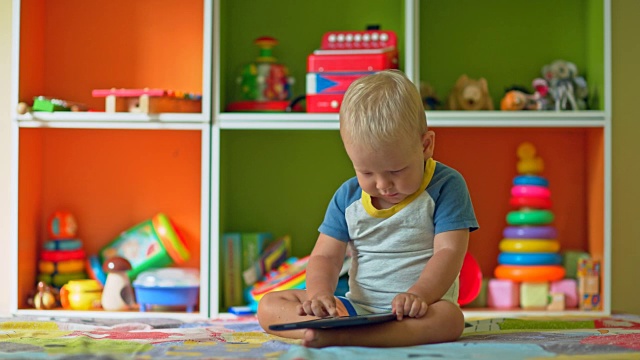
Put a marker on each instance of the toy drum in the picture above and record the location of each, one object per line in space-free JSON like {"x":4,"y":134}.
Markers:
{"x":154,"y":243}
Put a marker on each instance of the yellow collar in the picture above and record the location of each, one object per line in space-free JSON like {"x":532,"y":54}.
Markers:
{"x":429,"y":169}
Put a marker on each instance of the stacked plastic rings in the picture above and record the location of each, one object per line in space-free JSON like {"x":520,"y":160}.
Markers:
{"x":529,"y":249}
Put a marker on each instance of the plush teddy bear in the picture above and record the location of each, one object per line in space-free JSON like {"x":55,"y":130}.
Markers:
{"x":568,"y":90}
{"x":470,"y":94}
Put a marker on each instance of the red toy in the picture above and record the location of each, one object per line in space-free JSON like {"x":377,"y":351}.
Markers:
{"x":343,"y":57}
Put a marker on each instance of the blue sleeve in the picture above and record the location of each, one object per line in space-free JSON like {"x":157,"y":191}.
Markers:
{"x":453,"y":210}
{"x":335,"y":221}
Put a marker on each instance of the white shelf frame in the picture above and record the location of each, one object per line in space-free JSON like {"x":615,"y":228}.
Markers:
{"x":128,"y":121}
{"x":436,"y":119}
{"x":475,"y":119}
{"x":212,"y":120}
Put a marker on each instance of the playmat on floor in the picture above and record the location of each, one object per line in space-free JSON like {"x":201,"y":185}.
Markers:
{"x":615,"y":337}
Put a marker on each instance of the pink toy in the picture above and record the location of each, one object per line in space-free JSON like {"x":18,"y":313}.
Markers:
{"x":534,"y":191}
{"x":503,"y":294}
{"x":568,"y":287}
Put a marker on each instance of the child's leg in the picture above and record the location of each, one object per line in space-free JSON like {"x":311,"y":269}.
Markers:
{"x":443,"y":322}
{"x":281,"y":307}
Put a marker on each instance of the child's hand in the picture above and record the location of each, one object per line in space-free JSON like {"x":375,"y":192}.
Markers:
{"x":320,"y":305}
{"x":408,"y":304}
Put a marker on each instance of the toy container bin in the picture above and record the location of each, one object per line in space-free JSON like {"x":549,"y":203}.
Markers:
{"x":154,"y":243}
{"x":167,"y":287}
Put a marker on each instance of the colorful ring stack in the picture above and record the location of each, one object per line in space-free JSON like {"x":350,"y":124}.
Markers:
{"x":62,"y":258}
{"x":529,"y":249}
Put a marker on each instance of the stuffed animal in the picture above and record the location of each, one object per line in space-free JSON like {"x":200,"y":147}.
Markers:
{"x":519,"y":98}
{"x":568,"y":90}
{"x":470,"y":94}
{"x":515,"y":100}
{"x":429,"y":96}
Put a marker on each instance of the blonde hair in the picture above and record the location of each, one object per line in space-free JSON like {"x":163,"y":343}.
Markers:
{"x":382,"y":108}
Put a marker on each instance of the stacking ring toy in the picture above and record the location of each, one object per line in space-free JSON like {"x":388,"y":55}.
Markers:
{"x":530,"y":180}
{"x":535,"y":273}
{"x":530,"y":165}
{"x":530,"y":191}
{"x":530,"y":202}
{"x":530,"y":217}
{"x":529,"y":245}
{"x":507,"y":258}
{"x":530,"y":232}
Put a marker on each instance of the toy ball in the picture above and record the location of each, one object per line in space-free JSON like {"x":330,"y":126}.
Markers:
{"x":62,"y":225}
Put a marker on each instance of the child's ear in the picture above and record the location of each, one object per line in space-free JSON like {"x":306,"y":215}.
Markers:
{"x":428,"y":144}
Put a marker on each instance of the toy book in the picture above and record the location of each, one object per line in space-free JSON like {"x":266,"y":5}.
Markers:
{"x":232,"y":269}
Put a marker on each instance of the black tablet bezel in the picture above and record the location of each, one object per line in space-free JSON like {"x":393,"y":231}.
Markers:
{"x":335,"y":322}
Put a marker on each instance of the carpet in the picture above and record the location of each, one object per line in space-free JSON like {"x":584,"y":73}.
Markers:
{"x":31,"y":337}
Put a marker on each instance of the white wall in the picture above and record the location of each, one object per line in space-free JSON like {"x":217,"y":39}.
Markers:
{"x":5,"y":152}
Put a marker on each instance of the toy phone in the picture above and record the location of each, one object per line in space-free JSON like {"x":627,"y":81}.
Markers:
{"x":336,"y":322}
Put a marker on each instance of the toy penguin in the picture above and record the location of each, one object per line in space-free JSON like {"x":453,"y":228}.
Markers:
{"x":117,"y":294}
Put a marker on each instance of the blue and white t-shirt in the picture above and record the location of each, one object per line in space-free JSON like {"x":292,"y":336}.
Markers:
{"x":391,"y":247}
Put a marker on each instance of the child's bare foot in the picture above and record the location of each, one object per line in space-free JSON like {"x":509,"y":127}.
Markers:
{"x":315,"y":338}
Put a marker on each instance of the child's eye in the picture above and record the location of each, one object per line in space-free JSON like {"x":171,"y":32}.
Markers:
{"x":396,"y":171}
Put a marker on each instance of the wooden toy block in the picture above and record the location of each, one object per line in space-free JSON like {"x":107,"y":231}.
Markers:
{"x":589,"y":284}
{"x":503,"y":294}
{"x":590,"y":302}
{"x":556,"y":301}
{"x":568,"y":287}
{"x":481,"y":300}
{"x":534,"y":295}
{"x":149,"y":101}
{"x":570,"y":260}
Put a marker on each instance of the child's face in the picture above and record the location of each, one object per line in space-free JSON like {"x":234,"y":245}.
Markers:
{"x":390,"y":173}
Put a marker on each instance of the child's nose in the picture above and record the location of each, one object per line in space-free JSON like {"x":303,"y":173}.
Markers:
{"x":383,"y":183}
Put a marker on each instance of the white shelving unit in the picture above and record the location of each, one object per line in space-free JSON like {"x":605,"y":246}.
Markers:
{"x":192,"y":130}
{"x":212,"y":123}
{"x":577,"y":120}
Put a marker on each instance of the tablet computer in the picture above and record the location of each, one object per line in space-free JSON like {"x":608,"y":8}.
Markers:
{"x":335,"y":322}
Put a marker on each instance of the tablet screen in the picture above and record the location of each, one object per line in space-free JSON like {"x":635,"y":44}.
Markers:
{"x":335,"y":322}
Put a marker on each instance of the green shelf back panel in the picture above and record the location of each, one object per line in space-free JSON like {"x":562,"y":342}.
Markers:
{"x":298,"y":26}
{"x":508,"y":41}
{"x":280,"y":181}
